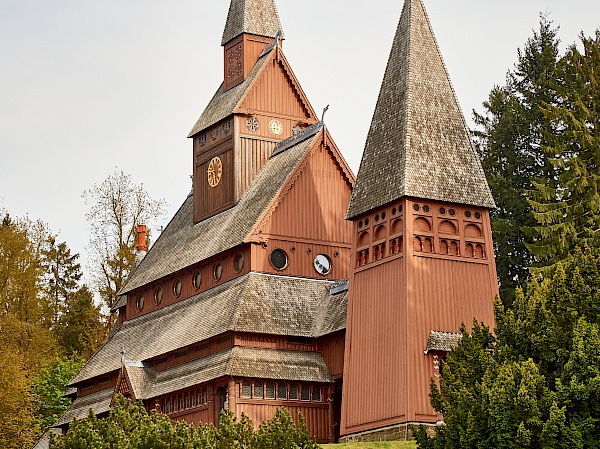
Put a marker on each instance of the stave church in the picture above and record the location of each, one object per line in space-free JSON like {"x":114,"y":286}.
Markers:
{"x":284,"y":279}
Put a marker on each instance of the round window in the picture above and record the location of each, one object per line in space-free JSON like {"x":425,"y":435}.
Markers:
{"x":197,"y":279}
{"x":177,"y":287}
{"x":279,"y":258}
{"x":322,"y":264}
{"x":238,"y":262}
{"x":218,"y":271}
{"x":477,"y":215}
{"x":158,"y":295}
{"x":140,"y":302}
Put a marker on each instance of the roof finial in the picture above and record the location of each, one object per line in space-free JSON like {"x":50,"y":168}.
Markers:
{"x":122,"y":354}
{"x":323,"y":115}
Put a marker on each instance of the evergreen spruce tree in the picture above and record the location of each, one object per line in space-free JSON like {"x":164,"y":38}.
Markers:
{"x":63,"y":273}
{"x":510,"y":137}
{"x":567,"y":208}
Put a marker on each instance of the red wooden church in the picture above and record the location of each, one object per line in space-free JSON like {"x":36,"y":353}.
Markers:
{"x":283,"y":281}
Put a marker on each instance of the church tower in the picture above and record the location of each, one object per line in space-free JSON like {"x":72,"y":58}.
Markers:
{"x":423,"y":259}
{"x":259,"y":104}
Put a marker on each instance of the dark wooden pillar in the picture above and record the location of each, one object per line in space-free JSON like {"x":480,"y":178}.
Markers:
{"x":232,"y":397}
{"x":331,"y":416}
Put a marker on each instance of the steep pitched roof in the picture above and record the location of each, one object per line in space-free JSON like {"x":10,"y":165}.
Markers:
{"x":258,"y":17}
{"x":226,"y":102}
{"x":182,"y":243}
{"x":418,"y":143}
{"x":99,"y":402}
{"x":255,"y":302}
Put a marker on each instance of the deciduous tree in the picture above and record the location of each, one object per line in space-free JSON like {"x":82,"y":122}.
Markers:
{"x":116,"y":206}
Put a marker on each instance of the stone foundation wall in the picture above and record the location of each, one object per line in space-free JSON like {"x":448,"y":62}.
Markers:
{"x":397,"y":432}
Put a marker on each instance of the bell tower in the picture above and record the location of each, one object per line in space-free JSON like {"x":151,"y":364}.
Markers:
{"x":422,"y":244}
{"x":258,"y":104}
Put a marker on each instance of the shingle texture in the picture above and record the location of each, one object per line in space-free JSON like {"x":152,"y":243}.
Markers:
{"x":255,"y":302}
{"x":141,"y":378}
{"x":225,"y":102}
{"x":182,"y":243}
{"x":99,"y":402}
{"x":418,"y":143}
{"x":242,"y":362}
{"x":442,"y":341}
{"x":258,"y":17}
{"x":44,"y":441}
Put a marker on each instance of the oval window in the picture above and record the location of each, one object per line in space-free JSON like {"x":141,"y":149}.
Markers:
{"x":238,"y":262}
{"x":140,"y":302}
{"x":177,"y":287}
{"x":218,"y":271}
{"x":278,"y":258}
{"x":158,"y":295}
{"x":197,"y":279}
{"x":322,"y":264}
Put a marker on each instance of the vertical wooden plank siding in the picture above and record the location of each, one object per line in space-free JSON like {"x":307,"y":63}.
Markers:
{"x":316,"y":416}
{"x":253,"y":153}
{"x":273,"y":91}
{"x":332,"y":348}
{"x":227,"y":260}
{"x":314,"y":208}
{"x":444,"y":274}
{"x":375,"y":347}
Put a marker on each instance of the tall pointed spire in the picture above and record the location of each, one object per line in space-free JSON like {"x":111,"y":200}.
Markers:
{"x":259,"y":17}
{"x":418,"y":144}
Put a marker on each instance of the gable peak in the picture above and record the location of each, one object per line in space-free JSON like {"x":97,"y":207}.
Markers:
{"x":259,"y":17}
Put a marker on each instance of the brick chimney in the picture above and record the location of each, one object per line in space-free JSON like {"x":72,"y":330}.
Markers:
{"x":142,"y":244}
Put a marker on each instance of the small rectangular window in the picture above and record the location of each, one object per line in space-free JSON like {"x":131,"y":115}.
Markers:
{"x":270,"y":390}
{"x":305,"y":393}
{"x":259,"y":392}
{"x":282,"y":391}
{"x":316,"y":393}
{"x":246,"y":389}
{"x":293,"y":392}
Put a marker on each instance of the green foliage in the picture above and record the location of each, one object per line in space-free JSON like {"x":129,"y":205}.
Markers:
{"x":537,"y":383}
{"x":567,"y":207}
{"x":281,"y":433}
{"x":80,"y":330}
{"x":62,"y":275}
{"x":129,"y":426}
{"x":48,"y":388}
{"x":510,"y":136}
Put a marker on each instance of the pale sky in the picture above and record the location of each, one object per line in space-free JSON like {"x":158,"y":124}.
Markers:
{"x":90,"y":85}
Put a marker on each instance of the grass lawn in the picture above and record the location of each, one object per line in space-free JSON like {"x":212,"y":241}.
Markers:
{"x":377,"y":445}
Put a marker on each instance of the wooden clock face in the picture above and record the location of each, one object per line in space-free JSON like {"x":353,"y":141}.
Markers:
{"x":215,"y":171}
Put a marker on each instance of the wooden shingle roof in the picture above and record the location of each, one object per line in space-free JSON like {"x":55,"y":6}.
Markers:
{"x":418,"y":144}
{"x":255,"y":303}
{"x":225,"y":102}
{"x":259,"y":17}
{"x":182,"y":243}
{"x":99,"y":402}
